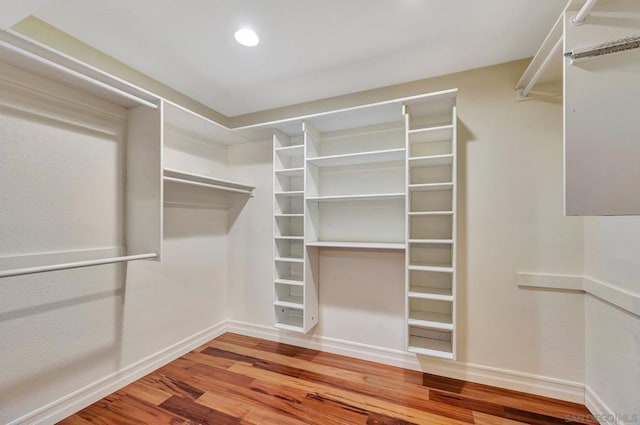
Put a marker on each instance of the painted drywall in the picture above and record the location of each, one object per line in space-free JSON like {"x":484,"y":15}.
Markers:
{"x":612,"y":255}
{"x":510,"y":220}
{"x":62,"y":191}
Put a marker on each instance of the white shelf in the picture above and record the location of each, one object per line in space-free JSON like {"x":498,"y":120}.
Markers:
{"x":431,"y":134}
{"x":428,"y":268}
{"x":290,"y":193}
{"x":428,"y":213}
{"x":431,"y":241}
{"x":430,"y":320}
{"x":289,"y":215}
{"x":290,"y":282}
{"x":290,"y":172}
{"x":289,"y":151}
{"x":431,"y":160}
{"x":206,"y":181}
{"x":289,"y":260}
{"x":426,"y":293}
{"x":430,"y":347}
{"x":289,"y":238}
{"x":430,"y":187}
{"x":359,"y":158}
{"x":291,"y":302}
{"x":358,"y":245}
{"x":367,"y":197}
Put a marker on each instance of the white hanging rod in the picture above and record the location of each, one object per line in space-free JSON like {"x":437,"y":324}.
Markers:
{"x":536,"y":76}
{"x":616,"y":46}
{"x":74,"y":265}
{"x":213,"y":186}
{"x":583,"y":12}
{"x":77,"y":75}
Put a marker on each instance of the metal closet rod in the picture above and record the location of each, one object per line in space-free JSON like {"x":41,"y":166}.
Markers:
{"x":75,"y":265}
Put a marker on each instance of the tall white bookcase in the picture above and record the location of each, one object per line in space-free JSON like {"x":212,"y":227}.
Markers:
{"x":381,"y":177}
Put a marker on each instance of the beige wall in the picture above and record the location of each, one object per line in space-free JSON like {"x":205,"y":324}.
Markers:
{"x":511,"y":220}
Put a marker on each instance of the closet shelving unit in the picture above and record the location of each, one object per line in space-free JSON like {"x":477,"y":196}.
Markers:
{"x":295,"y":294}
{"x":431,"y":227}
{"x":381,"y":176}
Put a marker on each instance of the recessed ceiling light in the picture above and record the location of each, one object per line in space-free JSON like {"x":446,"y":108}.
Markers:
{"x":247,"y":37}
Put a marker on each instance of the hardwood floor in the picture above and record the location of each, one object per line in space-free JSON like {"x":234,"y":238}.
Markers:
{"x":240,"y":380}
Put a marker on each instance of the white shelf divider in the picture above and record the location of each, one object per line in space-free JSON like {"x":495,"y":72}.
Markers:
{"x":206,"y":181}
{"x":431,"y":160}
{"x":363,"y":197}
{"x":430,"y":187}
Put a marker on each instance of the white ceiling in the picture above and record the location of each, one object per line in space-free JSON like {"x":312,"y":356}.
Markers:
{"x":308,"y":49}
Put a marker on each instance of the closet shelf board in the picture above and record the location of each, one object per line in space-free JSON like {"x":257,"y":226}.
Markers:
{"x":364,"y":197}
{"x":430,"y":187}
{"x":431,"y":160}
{"x":430,"y":347}
{"x":430,"y":320}
{"x":358,"y":245}
{"x":359,"y":158}
{"x":206,"y":181}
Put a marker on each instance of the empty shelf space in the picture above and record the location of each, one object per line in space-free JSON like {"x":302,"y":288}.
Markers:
{"x":429,"y":213}
{"x":430,"y":320}
{"x":431,"y":241}
{"x":367,"y":197}
{"x":206,"y":181}
{"x":430,"y":347}
{"x":359,"y":158}
{"x":289,"y":215}
{"x":289,"y":238}
{"x":289,"y":301}
{"x":431,"y":160}
{"x":358,"y":245}
{"x":431,"y":134}
{"x":289,"y":260}
{"x":290,"y":193}
{"x":295,"y":150}
{"x":430,"y":187}
{"x":291,"y":282}
{"x":290,"y":172}
{"x":426,"y":293}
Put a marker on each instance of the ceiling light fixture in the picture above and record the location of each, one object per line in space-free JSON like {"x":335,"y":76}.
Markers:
{"x":247,"y":37}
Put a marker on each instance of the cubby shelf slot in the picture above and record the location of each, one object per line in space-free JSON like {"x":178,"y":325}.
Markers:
{"x":430,"y":320}
{"x":290,"y":282}
{"x":431,"y":134}
{"x":290,"y":193}
{"x":430,"y":187}
{"x":431,"y":160}
{"x":425,"y":268}
{"x":205,"y":181}
{"x":288,"y":151}
{"x":289,"y":260}
{"x":430,"y":347}
{"x":359,"y":158}
{"x":289,"y":215}
{"x":431,"y":241}
{"x":358,"y":245}
{"x":425,"y":293}
{"x":289,"y":238}
{"x":290,"y":172}
{"x":290,"y":325}
{"x":291,"y":302}
{"x":428,"y":213}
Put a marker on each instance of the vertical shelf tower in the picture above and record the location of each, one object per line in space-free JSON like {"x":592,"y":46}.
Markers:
{"x":295,"y":290}
{"x":431,"y":226}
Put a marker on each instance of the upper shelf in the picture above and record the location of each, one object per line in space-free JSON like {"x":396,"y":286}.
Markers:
{"x":431,"y":134}
{"x":358,"y":158}
{"x":45,"y":62}
{"x":200,"y":127}
{"x":205,"y":181}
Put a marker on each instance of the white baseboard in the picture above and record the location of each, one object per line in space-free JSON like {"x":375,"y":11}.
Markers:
{"x":503,"y":378}
{"x":71,"y":403}
{"x":602,"y":412}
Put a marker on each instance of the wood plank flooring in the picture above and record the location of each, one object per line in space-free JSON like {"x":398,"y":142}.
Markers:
{"x":238,"y":380}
